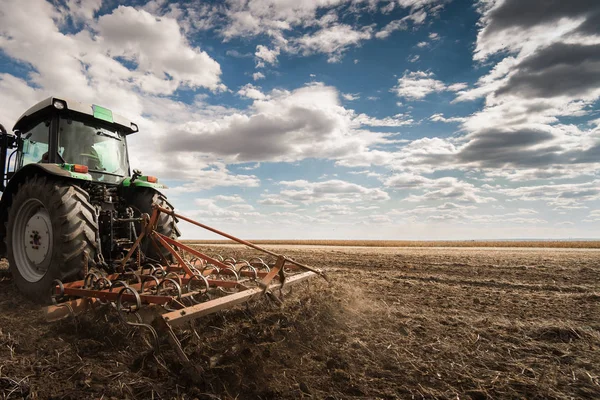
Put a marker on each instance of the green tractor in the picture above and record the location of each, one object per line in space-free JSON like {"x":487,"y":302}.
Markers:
{"x":69,"y":201}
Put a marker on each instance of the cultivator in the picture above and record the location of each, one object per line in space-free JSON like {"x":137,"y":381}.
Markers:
{"x":178,"y":292}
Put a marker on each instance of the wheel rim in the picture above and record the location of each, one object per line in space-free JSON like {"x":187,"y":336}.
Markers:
{"x":32,"y":240}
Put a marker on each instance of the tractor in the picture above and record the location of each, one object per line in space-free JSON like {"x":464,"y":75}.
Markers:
{"x":81,"y":232}
{"x":70,"y":204}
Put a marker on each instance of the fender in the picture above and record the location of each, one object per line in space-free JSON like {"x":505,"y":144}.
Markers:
{"x":20,"y":176}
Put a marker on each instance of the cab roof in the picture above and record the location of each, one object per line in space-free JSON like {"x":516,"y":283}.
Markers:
{"x":73,"y":105}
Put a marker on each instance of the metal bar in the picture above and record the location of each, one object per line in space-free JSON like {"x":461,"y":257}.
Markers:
{"x":241,"y":241}
{"x":179,"y":317}
{"x":266,"y":281}
{"x":171,"y":250}
{"x":63,"y":310}
{"x":192,"y":251}
{"x":137,"y":242}
{"x":112,"y":296}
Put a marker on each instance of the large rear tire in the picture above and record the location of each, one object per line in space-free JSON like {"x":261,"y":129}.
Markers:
{"x":141,"y":201}
{"x":52,"y":231}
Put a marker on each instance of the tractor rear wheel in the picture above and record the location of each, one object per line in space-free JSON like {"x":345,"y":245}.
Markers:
{"x":141,"y":201}
{"x":51,"y":234}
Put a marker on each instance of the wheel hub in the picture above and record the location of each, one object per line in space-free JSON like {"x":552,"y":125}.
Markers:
{"x":32,"y":240}
{"x":37,"y":235}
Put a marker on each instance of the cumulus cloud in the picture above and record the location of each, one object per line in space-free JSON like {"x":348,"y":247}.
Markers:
{"x":350,"y":96}
{"x":265,"y":55}
{"x":258,"y":75}
{"x":283,"y":126}
{"x":333,"y":191}
{"x":333,"y":40}
{"x":159,"y":59}
{"x":515,"y":25}
{"x":416,"y":85}
{"x":447,"y":188}
{"x":252,"y":92}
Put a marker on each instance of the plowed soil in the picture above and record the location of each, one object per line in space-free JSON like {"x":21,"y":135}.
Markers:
{"x":392,"y":323}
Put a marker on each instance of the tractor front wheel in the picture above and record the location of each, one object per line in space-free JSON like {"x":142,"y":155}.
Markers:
{"x":51,"y":234}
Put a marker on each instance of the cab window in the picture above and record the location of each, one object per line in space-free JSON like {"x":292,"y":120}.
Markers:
{"x":35,"y":144}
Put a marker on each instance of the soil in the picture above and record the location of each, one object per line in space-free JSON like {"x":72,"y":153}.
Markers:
{"x":392,"y":323}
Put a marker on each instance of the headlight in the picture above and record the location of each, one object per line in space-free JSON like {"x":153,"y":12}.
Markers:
{"x":134,"y":127}
{"x":59,"y":105}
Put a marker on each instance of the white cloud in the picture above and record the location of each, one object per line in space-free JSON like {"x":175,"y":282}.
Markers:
{"x":265,"y":55}
{"x":231,"y":199}
{"x":448,"y":188}
{"x":258,"y":75}
{"x":395,"y":121}
{"x":282,"y":126}
{"x":350,"y":96}
{"x":252,"y":92}
{"x":334,"y":191}
{"x":416,"y":85}
{"x":440,"y":118}
{"x":333,"y":40}
{"x":158,"y":47}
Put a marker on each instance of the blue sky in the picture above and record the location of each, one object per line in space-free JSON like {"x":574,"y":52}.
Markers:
{"x":336,"y":119}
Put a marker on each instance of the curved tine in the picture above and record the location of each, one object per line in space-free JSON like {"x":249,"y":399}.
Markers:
{"x":251,"y":269}
{"x":159,"y":266}
{"x":53,"y":295}
{"x":161,"y":286}
{"x":121,"y":308}
{"x":265,"y":267}
{"x":243,"y":262}
{"x":231,"y":265}
{"x":89,"y":280}
{"x":172,"y":275}
{"x":102,"y":283}
{"x":229,"y":260}
{"x":148,"y":267}
{"x":131,"y":273}
{"x":159,"y":273}
{"x":211,"y":267}
{"x":155,"y":342}
{"x":195,"y":271}
{"x":261,"y":264}
{"x":257,"y":260}
{"x":218,"y":257}
{"x":147,"y":278}
{"x":114,"y":286}
{"x":230,"y":271}
{"x":198,"y":262}
{"x":190,"y":289}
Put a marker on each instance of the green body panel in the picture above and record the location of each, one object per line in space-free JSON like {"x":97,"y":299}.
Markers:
{"x":103,"y":113}
{"x":76,"y":175}
{"x":142,"y":181}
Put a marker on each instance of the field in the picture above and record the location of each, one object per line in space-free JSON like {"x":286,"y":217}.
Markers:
{"x":437,"y":322}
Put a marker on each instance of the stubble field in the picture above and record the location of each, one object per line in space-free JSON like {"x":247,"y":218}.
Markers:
{"x":393,"y":323}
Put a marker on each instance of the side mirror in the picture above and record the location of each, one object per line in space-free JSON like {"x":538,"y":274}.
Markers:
{"x":136,"y":174}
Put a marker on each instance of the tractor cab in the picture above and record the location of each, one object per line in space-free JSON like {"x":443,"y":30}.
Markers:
{"x":87,"y":141}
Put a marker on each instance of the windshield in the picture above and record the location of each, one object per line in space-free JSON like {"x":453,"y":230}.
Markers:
{"x":102,"y":149}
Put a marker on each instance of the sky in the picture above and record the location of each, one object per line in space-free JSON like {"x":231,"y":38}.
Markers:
{"x":336,"y":119}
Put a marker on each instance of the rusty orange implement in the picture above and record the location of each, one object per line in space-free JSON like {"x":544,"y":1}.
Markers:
{"x":184,"y":285}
